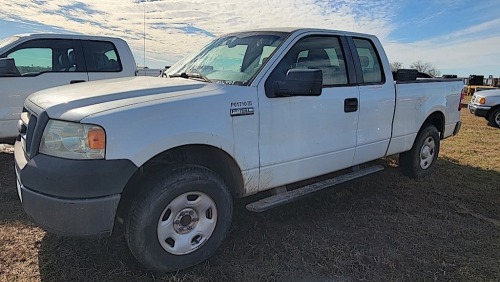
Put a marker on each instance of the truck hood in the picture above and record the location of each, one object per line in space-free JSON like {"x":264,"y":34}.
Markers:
{"x":488,"y":93}
{"x":74,"y":102}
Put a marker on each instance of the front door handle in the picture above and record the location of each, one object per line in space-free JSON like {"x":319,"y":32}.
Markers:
{"x":350,"y":105}
{"x":76,"y":81}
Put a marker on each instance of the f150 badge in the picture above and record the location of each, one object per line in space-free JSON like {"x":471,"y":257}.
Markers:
{"x":241,"y":108}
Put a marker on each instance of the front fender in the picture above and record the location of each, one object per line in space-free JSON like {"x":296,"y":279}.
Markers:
{"x":139,"y":152}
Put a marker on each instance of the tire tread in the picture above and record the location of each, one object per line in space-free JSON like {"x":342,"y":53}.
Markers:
{"x":409,"y":160}
{"x":171,"y":176}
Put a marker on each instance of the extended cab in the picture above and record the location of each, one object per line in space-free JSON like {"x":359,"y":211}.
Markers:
{"x":32,"y":62}
{"x":252,"y":111}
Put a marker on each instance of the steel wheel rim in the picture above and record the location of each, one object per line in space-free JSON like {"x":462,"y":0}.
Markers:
{"x":187,"y":223}
{"x":427,"y":152}
{"x":497,"y":118}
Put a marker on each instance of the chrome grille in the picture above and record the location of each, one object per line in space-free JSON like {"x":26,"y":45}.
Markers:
{"x":23,"y":127}
{"x":26,"y":128}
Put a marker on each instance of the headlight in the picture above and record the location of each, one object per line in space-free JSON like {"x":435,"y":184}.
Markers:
{"x":73,"y":140}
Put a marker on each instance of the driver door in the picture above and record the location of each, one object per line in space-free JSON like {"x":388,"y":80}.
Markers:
{"x":306,"y":136}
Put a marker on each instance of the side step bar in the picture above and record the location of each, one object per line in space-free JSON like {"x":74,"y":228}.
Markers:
{"x":290,"y":196}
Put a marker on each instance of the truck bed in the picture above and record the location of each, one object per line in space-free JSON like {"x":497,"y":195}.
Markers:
{"x":416,"y":100}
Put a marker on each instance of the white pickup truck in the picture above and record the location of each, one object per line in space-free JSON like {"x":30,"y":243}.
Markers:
{"x":486,"y":104}
{"x":252,"y":111}
{"x":32,"y":62}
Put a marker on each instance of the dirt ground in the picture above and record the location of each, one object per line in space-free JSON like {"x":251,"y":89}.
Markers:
{"x":385,"y":227}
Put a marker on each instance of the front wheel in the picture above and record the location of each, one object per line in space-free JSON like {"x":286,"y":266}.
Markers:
{"x":495,"y":118}
{"x":180,"y":220}
{"x":422,"y":158}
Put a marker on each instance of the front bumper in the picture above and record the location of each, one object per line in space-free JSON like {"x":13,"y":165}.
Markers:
{"x":70,"y":217}
{"x":70,"y":197}
{"x":480,"y":111}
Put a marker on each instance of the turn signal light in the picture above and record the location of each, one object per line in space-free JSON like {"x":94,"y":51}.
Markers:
{"x":482,"y":101}
{"x":97,"y":138}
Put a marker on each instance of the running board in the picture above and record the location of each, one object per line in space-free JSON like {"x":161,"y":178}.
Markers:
{"x":290,"y":196}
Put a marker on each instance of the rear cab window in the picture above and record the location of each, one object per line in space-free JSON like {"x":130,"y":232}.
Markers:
{"x":102,"y":56}
{"x":369,"y":59}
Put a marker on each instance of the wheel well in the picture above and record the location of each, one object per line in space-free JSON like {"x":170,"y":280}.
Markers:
{"x":210,"y":157}
{"x":492,"y":110}
{"x":436,"y":119}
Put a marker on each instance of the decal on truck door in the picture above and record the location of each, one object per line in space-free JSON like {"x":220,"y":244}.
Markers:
{"x":241,"y":108}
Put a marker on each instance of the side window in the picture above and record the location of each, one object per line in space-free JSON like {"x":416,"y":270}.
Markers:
{"x":101,"y":56}
{"x":315,"y":52}
{"x":370,"y":62}
{"x":45,"y":55}
{"x":32,"y":60}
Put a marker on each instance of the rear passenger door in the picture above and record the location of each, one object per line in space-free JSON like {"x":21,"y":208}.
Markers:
{"x":376,"y":101}
{"x":102,"y":59}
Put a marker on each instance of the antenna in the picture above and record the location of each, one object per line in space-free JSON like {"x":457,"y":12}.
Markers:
{"x":144,"y":36}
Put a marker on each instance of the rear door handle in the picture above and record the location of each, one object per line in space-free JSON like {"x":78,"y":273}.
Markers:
{"x":76,"y":81}
{"x":350,"y":105}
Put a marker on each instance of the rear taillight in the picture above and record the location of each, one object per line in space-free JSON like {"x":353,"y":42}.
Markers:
{"x":462,"y":95}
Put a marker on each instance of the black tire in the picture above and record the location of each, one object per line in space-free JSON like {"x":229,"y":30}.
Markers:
{"x":494,"y":118}
{"x":421,"y":159}
{"x":170,"y":204}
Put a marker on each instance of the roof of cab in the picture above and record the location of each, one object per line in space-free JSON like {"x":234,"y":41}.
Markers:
{"x":299,"y":29}
{"x":63,"y":35}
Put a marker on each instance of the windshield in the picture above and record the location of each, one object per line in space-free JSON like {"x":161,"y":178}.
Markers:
{"x":232,"y":59}
{"x":6,"y":41}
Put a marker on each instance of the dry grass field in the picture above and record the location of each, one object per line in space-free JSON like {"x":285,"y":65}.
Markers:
{"x":384,"y":227}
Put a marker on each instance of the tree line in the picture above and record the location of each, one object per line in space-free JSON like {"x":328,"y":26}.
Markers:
{"x":420,"y":66}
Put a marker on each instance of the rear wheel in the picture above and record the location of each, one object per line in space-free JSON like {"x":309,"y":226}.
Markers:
{"x":180,"y":220}
{"x":494,"y":118}
{"x":422,"y":158}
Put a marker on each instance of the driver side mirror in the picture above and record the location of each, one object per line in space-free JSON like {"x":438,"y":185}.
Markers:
{"x":300,"y":82}
{"x":8,"y":67}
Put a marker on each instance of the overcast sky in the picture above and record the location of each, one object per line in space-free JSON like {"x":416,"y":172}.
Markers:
{"x":458,"y":36}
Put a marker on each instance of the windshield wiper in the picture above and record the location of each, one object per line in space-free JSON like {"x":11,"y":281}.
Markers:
{"x":196,"y":76}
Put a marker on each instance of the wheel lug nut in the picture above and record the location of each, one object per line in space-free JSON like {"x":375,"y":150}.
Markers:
{"x":191,"y":212}
{"x":194,"y":219}
{"x":177,"y":222}
{"x":189,"y":228}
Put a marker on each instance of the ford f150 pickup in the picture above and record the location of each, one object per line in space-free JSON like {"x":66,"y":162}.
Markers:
{"x":252,"y":111}
{"x":32,"y":62}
